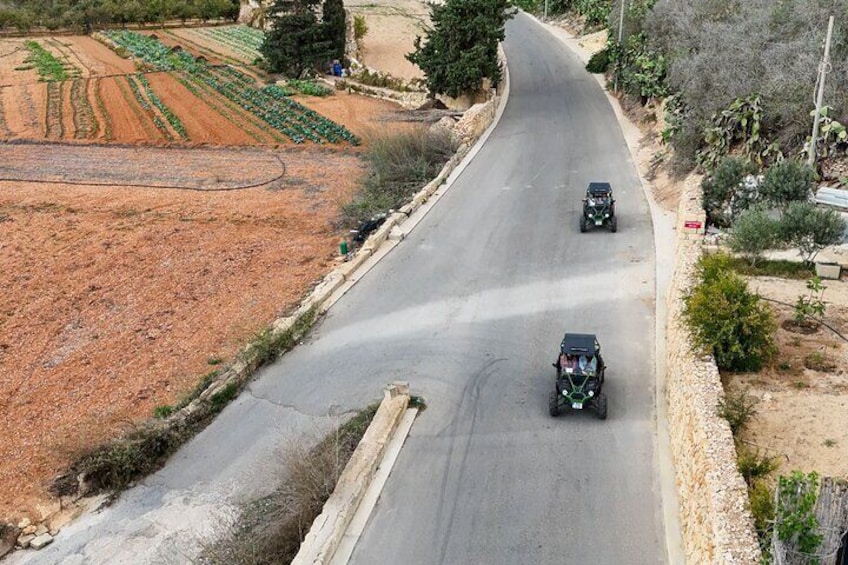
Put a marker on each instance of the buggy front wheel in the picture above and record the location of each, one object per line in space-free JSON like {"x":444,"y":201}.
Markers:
{"x":601,"y":406}
{"x":582,"y":224}
{"x":613,"y":224}
{"x":553,"y":405}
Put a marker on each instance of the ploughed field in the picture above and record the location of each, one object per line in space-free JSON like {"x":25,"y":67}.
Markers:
{"x":159,"y":206}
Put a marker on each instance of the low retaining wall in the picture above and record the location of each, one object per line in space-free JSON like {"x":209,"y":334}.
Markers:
{"x":329,"y":527}
{"x":716,"y":522}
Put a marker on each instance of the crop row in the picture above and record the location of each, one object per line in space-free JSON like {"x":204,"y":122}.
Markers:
{"x":287,"y":116}
{"x":245,"y":41}
{"x":49,"y":67}
{"x":156,"y":101}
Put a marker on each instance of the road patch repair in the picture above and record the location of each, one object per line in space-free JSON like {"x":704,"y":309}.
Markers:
{"x":334,"y":532}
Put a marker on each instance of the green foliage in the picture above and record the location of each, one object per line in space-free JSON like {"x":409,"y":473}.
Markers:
{"x":811,"y":304}
{"x":49,"y":67}
{"x":795,"y":520}
{"x":810,"y":228}
{"x":530,"y":6}
{"x":641,"y":70}
{"x":738,"y":407}
{"x":720,"y":189}
{"x":787,"y":181}
{"x":599,"y":62}
{"x":461,"y":49}
{"x":360,"y":27}
{"x":398,"y":166}
{"x":754,"y":232}
{"x":596,"y":12}
{"x":310,"y":87}
{"x":334,"y":20}
{"x":224,"y":396}
{"x":381,"y":80}
{"x":297,"y":42}
{"x":163,"y":411}
{"x":87,"y":15}
{"x":731,"y":322}
{"x":833,"y":137}
{"x":739,"y":126}
{"x":773,"y":268}
{"x":762,"y":508}
{"x":817,"y":361}
{"x":754,"y":465}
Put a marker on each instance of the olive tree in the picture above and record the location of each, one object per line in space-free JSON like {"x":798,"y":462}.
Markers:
{"x":810,"y":228}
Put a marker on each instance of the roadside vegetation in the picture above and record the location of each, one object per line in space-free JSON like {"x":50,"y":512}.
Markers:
{"x":398,"y":166}
{"x":270,"y":530}
{"x":26,"y":15}
{"x":117,"y":464}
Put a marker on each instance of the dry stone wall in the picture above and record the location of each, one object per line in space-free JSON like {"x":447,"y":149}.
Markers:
{"x":716,"y":522}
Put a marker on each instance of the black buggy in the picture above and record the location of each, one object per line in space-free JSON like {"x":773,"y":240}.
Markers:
{"x":579,"y":376}
{"x":599,"y":207}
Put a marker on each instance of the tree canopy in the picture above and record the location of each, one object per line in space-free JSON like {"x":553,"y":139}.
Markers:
{"x":298,"y":40}
{"x":461,"y":49}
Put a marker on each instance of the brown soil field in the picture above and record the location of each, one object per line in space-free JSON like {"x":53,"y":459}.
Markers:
{"x":132,"y":264}
{"x":117,"y":297}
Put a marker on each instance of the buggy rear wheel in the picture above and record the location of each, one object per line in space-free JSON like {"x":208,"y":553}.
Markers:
{"x":553,"y":405}
{"x":613,"y":224}
{"x":601,"y":406}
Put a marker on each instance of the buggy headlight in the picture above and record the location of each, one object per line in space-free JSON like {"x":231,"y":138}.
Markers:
{"x":565,"y":393}
{"x":606,"y":215}
{"x":591,"y":393}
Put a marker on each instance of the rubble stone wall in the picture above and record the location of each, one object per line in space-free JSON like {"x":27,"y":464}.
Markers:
{"x":716,"y":521}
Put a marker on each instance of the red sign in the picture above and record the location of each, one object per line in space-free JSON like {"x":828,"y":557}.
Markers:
{"x":692,"y":224}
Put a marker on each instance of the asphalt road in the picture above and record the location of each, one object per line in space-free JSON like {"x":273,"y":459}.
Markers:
{"x":470,"y":309}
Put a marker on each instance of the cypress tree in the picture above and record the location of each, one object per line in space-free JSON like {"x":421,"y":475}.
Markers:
{"x":461,"y":49}
{"x":296,"y":41}
{"x":334,"y":20}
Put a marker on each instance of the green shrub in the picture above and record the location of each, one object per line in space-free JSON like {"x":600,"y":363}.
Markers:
{"x":163,"y":411}
{"x":762,"y":507}
{"x":399,"y":165}
{"x":310,"y":88}
{"x":360,"y":28}
{"x":721,"y":187}
{"x":795,"y":518}
{"x":786,"y":182}
{"x":754,"y":232}
{"x":731,"y":322}
{"x":754,"y":465}
{"x":738,"y":407}
{"x":599,"y":62}
{"x":810,"y":228}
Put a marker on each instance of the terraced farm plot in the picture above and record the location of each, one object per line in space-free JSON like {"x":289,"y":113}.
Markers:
{"x":236,"y":42}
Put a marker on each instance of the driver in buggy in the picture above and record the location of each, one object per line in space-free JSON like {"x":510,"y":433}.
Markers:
{"x":597,"y":199}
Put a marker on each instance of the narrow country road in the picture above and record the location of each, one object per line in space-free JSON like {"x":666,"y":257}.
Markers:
{"x":470,"y":309}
